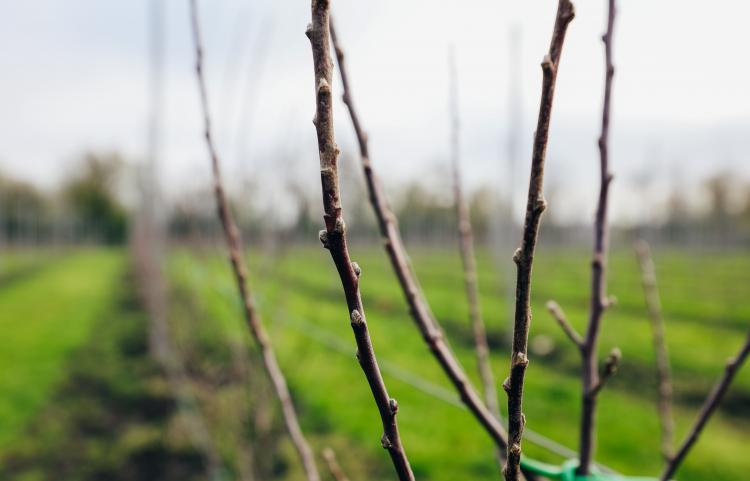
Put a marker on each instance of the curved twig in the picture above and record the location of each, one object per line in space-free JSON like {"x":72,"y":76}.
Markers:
{"x":334,"y":235}
{"x":663,"y":370}
{"x":524,"y":256}
{"x":709,"y":407}
{"x":599,"y":300}
{"x":236,"y":257}
{"x":557,"y":312}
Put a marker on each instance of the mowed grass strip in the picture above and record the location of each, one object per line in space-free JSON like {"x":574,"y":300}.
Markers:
{"x":444,"y":442}
{"x":43,"y":318}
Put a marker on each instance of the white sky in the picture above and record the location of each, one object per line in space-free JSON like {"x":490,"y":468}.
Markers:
{"x":75,"y":78}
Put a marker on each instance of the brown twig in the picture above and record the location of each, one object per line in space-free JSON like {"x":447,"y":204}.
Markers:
{"x":557,"y":312}
{"x":599,"y":300}
{"x":609,"y":368}
{"x":394,"y":246}
{"x":236,"y":257}
{"x":709,"y":407}
{"x":663,"y":370}
{"x":333,"y":465}
{"x":334,"y":235}
{"x":468,"y":258}
{"x":524,"y":256}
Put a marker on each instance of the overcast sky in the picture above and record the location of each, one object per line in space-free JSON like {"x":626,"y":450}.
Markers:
{"x":75,"y":78}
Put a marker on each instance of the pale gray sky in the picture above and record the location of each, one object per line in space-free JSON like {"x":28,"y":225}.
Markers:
{"x":75,"y":77}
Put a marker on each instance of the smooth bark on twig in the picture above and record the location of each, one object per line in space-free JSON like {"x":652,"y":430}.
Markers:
{"x":709,"y":407}
{"x":468,"y":257}
{"x":557,"y":312}
{"x":524,"y":256}
{"x":663,"y":369}
{"x":334,"y":236}
{"x":599,"y":301}
{"x":237,"y":260}
{"x":394,"y":246}
{"x":333,"y":465}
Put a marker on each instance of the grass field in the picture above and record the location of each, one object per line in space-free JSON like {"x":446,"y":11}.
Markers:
{"x":705,"y":306}
{"x":45,"y":315}
{"x":50,"y":312}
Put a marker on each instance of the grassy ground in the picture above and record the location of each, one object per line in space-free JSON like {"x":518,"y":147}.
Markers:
{"x":45,"y":316}
{"x":707,"y":315}
{"x":59,"y":324}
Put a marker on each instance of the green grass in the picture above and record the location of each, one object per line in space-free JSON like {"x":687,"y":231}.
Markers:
{"x":707,"y":316}
{"x":43,"y":318}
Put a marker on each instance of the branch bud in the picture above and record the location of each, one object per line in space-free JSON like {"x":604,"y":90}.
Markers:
{"x":357,"y":270}
{"x":323,"y":236}
{"x":356,"y":318}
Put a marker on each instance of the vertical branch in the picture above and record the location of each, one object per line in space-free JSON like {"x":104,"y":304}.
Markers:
{"x":236,"y":257}
{"x":468,"y":258}
{"x":709,"y":407}
{"x":524,"y":256}
{"x":590,"y":376}
{"x":664,"y":376}
{"x":334,"y":235}
{"x":394,"y":246}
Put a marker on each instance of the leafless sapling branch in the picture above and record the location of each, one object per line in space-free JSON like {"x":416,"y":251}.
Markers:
{"x":663,"y":370}
{"x":394,"y":246}
{"x":709,"y":407}
{"x":334,"y":236}
{"x":599,"y":300}
{"x":333,"y":465}
{"x":524,"y":256}
{"x":468,"y":258}
{"x":557,"y":312}
{"x":236,"y":257}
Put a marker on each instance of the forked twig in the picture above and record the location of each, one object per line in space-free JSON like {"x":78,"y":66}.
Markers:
{"x":709,"y":407}
{"x":334,"y":235}
{"x":663,"y":370}
{"x":599,"y":300}
{"x":236,"y":257}
{"x":524,"y":256}
{"x":394,"y":246}
{"x":468,"y":258}
{"x":333,"y":465}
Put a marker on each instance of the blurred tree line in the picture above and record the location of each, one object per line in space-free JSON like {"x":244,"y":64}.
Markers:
{"x":86,"y":208}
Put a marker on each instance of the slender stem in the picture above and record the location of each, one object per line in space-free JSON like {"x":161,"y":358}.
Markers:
{"x":468,"y":258}
{"x":557,"y":312}
{"x":709,"y":407}
{"x":524,"y":256}
{"x":236,"y":257}
{"x":394,"y":246}
{"x":599,"y":300}
{"x":334,"y":235}
{"x":663,"y":370}
{"x":333,"y":465}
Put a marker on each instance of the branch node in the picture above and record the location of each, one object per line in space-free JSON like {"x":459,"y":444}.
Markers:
{"x":357,"y":270}
{"x":515,"y":449}
{"x":340,"y":226}
{"x":520,"y":360}
{"x":506,"y":385}
{"x":386,"y":442}
{"x":393,"y":404}
{"x":323,"y":236}
{"x":308,"y":31}
{"x":356,"y":318}
{"x":517,"y":256}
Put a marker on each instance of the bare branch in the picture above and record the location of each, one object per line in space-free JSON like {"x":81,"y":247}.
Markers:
{"x":232,"y":234}
{"x":333,"y":465}
{"x":468,"y":258}
{"x":663,"y":370}
{"x":709,"y":407}
{"x":599,"y":299}
{"x":557,"y":312}
{"x":609,"y":369}
{"x":394,"y":246}
{"x":334,"y":235}
{"x":524,"y":256}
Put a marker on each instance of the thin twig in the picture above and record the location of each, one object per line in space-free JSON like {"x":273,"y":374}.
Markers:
{"x":524,"y":256}
{"x":709,"y":407}
{"x":557,"y":312}
{"x":334,"y":235}
{"x":468,"y":258}
{"x":418,"y":307}
{"x":609,"y":369}
{"x":333,"y":465}
{"x":599,"y":300}
{"x":232,"y":234}
{"x":663,"y":369}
